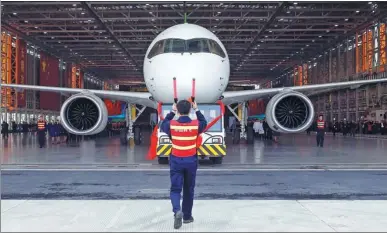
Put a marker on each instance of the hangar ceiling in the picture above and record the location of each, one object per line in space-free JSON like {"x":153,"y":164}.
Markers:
{"x":262,"y":39}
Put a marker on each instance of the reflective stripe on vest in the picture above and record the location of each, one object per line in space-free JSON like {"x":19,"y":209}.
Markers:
{"x":41,"y":125}
{"x":184,"y":136}
{"x":320,"y":124}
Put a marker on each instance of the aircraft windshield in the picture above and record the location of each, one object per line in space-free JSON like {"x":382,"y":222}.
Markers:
{"x":197,"y":45}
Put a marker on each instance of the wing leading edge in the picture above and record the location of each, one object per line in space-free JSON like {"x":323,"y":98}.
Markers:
{"x":131,"y":97}
{"x":231,"y":97}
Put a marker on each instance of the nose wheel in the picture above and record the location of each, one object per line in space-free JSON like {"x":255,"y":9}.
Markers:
{"x":133,"y":132}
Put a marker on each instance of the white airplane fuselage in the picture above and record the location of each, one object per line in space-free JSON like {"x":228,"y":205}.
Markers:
{"x":186,"y":51}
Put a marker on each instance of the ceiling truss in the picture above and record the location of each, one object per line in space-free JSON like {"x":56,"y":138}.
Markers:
{"x":262,"y":39}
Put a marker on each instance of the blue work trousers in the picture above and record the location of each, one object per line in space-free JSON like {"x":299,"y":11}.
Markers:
{"x":183,"y":177}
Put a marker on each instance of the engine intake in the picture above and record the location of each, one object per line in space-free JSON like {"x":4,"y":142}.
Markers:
{"x":84,"y":114}
{"x":289,"y":112}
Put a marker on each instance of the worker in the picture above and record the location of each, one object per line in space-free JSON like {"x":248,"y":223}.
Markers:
{"x":41,"y":131}
{"x":183,"y":160}
{"x":4,"y":129}
{"x":320,"y":131}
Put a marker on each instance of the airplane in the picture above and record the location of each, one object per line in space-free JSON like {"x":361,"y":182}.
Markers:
{"x":187,"y":51}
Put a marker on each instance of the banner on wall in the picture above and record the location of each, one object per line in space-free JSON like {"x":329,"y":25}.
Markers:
{"x":49,"y":76}
{"x":22,"y":71}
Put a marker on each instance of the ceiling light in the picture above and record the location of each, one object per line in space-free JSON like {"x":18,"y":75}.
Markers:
{"x":45,"y":32}
{"x":147,"y":4}
{"x":295,"y":3}
{"x":74,"y":5}
{"x":307,"y":45}
{"x":270,"y":31}
{"x":14,"y":13}
{"x":52,"y":37}
{"x":25,"y":21}
{"x":59,"y":42}
{"x":82,"y":13}
{"x":89,"y":20}
{"x":288,"y":12}
{"x":215,"y":26}
{"x":313,"y":40}
{"x":219,"y":12}
{"x":369,"y":2}
{"x":357,"y":11}
{"x":150,"y":12}
{"x":100,"y":32}
{"x":336,"y":25}
{"x":36,"y":27}
{"x":266,"y":36}
{"x":319,"y":36}
{"x":373,"y":11}
{"x":346,"y":19}
{"x":105,"y":37}
{"x":262,"y":41}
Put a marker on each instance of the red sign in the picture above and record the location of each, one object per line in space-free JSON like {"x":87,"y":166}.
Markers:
{"x":22,"y":50}
{"x":49,"y":76}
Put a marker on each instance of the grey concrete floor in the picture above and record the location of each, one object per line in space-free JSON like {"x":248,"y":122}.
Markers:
{"x":295,"y":150}
{"x":210,"y":185}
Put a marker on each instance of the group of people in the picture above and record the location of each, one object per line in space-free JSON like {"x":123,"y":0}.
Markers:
{"x":352,"y":127}
{"x":262,"y":130}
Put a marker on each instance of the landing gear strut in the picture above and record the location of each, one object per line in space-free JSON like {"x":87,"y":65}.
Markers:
{"x":132,"y":132}
{"x":241,"y":132}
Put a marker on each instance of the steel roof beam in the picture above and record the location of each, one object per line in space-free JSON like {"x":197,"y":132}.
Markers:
{"x":271,"y":19}
{"x":111,"y":33}
{"x":231,"y":10}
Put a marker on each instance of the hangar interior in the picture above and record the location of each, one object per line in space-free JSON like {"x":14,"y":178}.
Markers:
{"x":98,"y":185}
{"x":99,"y":45}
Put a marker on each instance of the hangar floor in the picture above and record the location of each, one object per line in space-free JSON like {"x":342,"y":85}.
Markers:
{"x":292,"y":151}
{"x":103,"y":186}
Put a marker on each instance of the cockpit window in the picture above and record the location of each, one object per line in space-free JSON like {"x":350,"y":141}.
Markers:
{"x":157,"y":49}
{"x":197,"y":45}
{"x":216,"y":49}
{"x":174,"y":46}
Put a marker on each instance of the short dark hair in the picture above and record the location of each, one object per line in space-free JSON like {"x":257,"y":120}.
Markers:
{"x":183,"y":107}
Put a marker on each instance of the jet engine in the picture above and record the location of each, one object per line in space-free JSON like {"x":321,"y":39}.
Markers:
{"x":289,"y":112}
{"x":84,"y":114}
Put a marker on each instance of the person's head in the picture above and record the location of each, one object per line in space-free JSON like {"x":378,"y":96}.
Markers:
{"x":183,"y":107}
{"x":40,"y":118}
{"x":320,"y":117}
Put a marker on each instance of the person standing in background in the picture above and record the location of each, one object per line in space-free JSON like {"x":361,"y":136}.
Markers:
{"x":320,"y":131}
{"x":42,"y":128}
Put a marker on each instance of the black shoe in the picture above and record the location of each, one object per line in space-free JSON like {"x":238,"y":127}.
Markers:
{"x":178,"y":220}
{"x":191,"y":219}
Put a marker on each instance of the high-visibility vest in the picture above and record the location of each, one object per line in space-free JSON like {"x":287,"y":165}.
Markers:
{"x":320,"y":124}
{"x":184,"y":138}
{"x":41,"y":125}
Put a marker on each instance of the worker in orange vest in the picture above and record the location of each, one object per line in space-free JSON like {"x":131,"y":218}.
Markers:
{"x":42,"y":126}
{"x":183,"y":133}
{"x":320,"y":131}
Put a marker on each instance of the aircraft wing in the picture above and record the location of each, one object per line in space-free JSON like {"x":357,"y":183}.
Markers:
{"x":231,"y":97}
{"x":141,"y":98}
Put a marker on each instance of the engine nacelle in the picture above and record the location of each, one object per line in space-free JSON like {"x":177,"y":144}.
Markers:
{"x":84,"y":114}
{"x":289,"y":112}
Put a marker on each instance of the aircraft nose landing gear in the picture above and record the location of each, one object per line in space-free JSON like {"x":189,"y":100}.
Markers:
{"x":132,"y":131}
